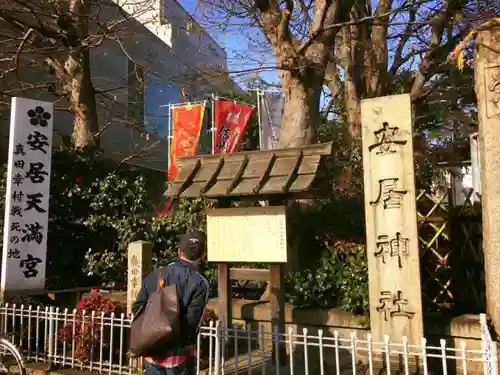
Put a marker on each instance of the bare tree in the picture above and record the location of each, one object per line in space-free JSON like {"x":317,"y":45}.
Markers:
{"x":357,"y":49}
{"x":55,"y":34}
{"x":46,"y":47}
{"x":300,"y":56}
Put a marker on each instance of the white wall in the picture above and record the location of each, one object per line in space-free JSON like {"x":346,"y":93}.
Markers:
{"x":190,"y":42}
{"x":194,"y":51}
{"x":460,"y":180}
{"x":149,"y":14}
{"x":475,"y":163}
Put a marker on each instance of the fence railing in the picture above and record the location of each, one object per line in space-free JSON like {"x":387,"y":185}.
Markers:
{"x":489,"y":348}
{"x":64,"y":338}
{"x":99,"y":342}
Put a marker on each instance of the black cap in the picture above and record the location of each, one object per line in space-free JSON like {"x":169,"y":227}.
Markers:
{"x":192,"y":244}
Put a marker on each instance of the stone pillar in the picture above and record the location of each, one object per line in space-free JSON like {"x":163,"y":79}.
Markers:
{"x":487,"y":85}
{"x":140,"y":264}
{"x":391,"y":226}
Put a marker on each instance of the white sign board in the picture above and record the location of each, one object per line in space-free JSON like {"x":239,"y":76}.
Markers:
{"x":251,"y":234}
{"x":27,"y":200}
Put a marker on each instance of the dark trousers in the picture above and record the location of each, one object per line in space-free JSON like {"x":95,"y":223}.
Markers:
{"x":187,"y":368}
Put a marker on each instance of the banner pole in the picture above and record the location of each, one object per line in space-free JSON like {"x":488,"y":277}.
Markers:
{"x":214,"y":98}
{"x":257,"y":91}
{"x":169,"y":133}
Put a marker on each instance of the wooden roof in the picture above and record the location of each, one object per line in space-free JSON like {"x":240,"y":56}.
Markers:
{"x":295,"y":172}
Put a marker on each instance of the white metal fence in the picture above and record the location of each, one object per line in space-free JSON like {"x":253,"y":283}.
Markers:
{"x":98,"y":342}
{"x":489,"y":348}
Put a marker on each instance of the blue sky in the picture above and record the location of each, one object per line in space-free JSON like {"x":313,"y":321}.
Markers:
{"x":236,"y":43}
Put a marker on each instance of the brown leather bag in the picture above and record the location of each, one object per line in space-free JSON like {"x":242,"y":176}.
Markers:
{"x":157,"y":323}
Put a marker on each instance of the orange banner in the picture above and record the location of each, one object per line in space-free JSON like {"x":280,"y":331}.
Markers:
{"x":186,"y":128}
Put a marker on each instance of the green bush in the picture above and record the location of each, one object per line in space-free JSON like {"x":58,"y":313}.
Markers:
{"x":340,"y":279}
{"x":97,"y":209}
{"x":188,"y":215}
{"x":94,"y":204}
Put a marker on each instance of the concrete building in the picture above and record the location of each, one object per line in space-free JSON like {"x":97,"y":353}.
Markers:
{"x":157,"y":54}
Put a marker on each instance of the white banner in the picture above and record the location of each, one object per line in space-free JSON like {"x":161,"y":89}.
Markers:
{"x":271,"y":111}
{"x":27,"y":200}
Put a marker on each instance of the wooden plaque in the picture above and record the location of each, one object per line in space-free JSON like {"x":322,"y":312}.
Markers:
{"x":250,"y":234}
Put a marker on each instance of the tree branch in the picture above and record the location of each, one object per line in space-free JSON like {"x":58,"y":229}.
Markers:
{"x":283,"y":26}
{"x":316,"y":26}
{"x":15,"y":58}
{"x":379,"y":54}
{"x":305,"y":11}
{"x":438,"y":23}
{"x":398,"y":53}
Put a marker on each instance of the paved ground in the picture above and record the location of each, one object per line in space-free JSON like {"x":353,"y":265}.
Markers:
{"x":41,"y":369}
{"x":250,"y":365}
{"x":255,"y":365}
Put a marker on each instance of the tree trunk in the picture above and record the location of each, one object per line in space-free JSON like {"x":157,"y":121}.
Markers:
{"x":352,"y":104}
{"x":81,"y":95}
{"x":301,"y":109}
{"x":74,"y":75}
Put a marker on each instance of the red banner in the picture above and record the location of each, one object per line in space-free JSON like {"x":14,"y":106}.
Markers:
{"x":165,"y":211}
{"x":231,"y":120}
{"x":186,"y":128}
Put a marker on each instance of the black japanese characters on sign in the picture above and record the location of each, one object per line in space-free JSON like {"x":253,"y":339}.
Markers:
{"x":17,"y":196}
{"x":38,"y":142}
{"x":396,"y":246}
{"x":36,"y":172}
{"x":389,"y":193}
{"x":14,"y":253}
{"x":29,"y":198}
{"x":15,"y":226}
{"x":386,"y":140}
{"x":32,"y":233}
{"x":135,"y":271}
{"x":19,"y":150}
{"x":18,"y":179}
{"x":29,"y":266}
{"x":16,"y":211}
{"x":19,"y":164}
{"x":33,"y":201}
{"x":393,"y":304}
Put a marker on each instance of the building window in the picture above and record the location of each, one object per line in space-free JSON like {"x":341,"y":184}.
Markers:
{"x":158,"y":94}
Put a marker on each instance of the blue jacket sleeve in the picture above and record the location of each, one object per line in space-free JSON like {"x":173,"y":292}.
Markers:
{"x":195,"y":312}
{"x":142,"y":297}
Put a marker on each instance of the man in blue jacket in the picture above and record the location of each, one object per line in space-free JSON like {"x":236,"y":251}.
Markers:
{"x":178,"y":358}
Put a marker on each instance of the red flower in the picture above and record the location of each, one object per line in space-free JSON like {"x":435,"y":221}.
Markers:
{"x":79,"y":180}
{"x":166,"y":211}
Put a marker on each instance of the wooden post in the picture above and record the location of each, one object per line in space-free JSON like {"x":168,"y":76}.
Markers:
{"x":225,"y":295}
{"x":277,"y":283}
{"x":277,"y":296}
{"x":487,"y":85}
{"x":224,"y":283}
